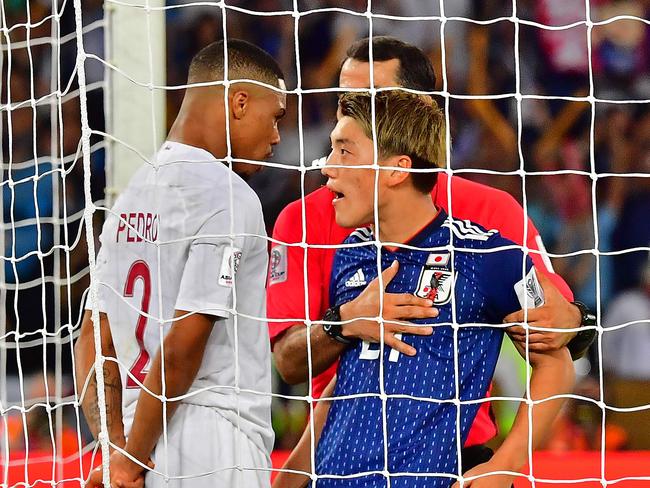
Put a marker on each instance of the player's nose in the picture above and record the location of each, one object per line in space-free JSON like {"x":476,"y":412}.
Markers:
{"x":327,"y":169}
{"x":275,"y":140}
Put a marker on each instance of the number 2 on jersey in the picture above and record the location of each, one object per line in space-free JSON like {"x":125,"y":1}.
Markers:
{"x":139,"y":271}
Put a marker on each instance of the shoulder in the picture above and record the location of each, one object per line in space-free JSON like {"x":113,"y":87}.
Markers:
{"x":467,"y":230}
{"x":362,"y":234}
{"x":480,"y":193}
{"x":319,"y":216}
{"x":224,"y":190}
{"x":355,"y":252}
{"x":487,"y":246}
{"x":196,"y":167}
{"x":482,"y":204}
{"x":355,"y":247}
{"x":220,"y":193}
{"x":497,"y":265}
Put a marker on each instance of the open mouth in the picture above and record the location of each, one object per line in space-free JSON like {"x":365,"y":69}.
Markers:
{"x":338,"y":196}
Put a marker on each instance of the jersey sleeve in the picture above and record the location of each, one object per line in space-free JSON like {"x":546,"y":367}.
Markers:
{"x":510,"y":282}
{"x":542,"y":262}
{"x":209,"y":272}
{"x":285,"y":298}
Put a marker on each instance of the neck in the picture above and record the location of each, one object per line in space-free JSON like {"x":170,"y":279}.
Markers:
{"x":405,"y":215}
{"x":195,"y":128}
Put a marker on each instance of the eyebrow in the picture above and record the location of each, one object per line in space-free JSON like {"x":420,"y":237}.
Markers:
{"x":343,"y":141}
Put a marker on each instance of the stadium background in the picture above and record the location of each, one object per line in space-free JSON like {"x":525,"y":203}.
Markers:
{"x":556,"y":136}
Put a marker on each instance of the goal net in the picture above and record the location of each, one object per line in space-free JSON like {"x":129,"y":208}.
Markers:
{"x":545,"y":100}
{"x":46,"y":171}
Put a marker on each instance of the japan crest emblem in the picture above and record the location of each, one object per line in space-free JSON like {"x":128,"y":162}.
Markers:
{"x":436,"y":281}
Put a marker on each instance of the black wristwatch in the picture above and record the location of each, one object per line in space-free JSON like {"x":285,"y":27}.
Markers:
{"x":579,"y":345}
{"x":333,"y":326}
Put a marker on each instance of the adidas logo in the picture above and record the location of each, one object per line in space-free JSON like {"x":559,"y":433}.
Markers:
{"x":357,"y":279}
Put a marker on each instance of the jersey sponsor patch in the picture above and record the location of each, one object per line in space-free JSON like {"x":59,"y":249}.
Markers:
{"x":436,"y":281}
{"x":278,"y":265}
{"x":229,"y":265}
{"x":529,"y":291}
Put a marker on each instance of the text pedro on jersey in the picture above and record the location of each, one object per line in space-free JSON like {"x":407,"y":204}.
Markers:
{"x":472,"y":275}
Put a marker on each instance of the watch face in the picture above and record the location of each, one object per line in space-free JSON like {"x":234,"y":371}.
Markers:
{"x":331,"y":315}
{"x":588,"y":317}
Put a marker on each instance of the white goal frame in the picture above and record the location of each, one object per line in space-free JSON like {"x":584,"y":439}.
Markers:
{"x":135,"y":109}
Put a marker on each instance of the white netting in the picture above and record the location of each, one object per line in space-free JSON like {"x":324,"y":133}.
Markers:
{"x":53,"y":68}
{"x":44,"y":261}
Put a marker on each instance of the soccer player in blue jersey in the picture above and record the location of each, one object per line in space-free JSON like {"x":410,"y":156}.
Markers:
{"x":474,"y":277}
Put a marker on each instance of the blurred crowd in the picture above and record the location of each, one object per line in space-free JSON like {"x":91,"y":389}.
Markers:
{"x":586,"y":159}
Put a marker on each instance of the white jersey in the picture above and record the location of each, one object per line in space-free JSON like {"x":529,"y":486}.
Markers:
{"x":183,"y":202}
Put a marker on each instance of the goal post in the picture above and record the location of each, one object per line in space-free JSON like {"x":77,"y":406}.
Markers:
{"x":135,"y":106}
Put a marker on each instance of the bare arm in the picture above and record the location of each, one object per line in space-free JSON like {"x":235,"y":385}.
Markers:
{"x":300,"y":457}
{"x":552,"y":374}
{"x":556,"y":313}
{"x":84,"y":350}
{"x":183,"y":349}
{"x":290,"y":350}
{"x":290,"y":353}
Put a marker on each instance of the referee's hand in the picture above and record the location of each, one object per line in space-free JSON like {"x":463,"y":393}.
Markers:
{"x":487,"y":478}
{"x":397,"y":308}
{"x":556,"y":313}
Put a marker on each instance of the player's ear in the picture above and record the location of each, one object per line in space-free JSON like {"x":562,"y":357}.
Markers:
{"x":396,"y":176}
{"x":239,"y":103}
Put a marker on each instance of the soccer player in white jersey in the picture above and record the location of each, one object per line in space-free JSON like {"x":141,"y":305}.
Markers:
{"x":182,"y":249}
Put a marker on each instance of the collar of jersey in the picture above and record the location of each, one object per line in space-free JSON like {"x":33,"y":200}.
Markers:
{"x":421,"y":235}
{"x":186,"y":147}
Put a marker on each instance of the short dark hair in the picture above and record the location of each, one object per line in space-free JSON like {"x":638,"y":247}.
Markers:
{"x":245,"y":61}
{"x":415,"y":69}
{"x":405,"y":124}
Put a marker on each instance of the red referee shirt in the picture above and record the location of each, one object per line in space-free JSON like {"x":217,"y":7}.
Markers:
{"x":489,"y":207}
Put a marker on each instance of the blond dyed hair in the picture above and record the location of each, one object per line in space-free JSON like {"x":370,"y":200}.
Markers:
{"x":406,"y":124}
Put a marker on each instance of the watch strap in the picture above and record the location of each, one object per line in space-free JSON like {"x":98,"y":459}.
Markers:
{"x":579,"y":345}
{"x":332,"y":326}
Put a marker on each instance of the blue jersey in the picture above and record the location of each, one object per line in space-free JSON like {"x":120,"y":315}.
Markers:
{"x":485,"y":278}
